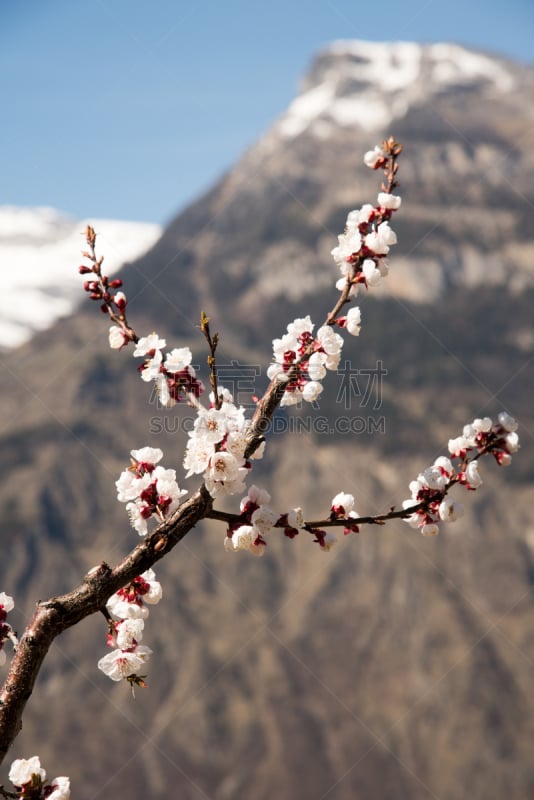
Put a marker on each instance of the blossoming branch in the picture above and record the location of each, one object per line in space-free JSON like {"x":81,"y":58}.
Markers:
{"x":221,"y":449}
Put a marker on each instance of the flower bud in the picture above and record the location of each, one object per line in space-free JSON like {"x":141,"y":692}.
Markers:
{"x":120,"y":301}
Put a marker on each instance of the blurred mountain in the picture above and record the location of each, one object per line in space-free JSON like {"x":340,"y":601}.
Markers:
{"x":39,"y":279}
{"x":395,"y":666}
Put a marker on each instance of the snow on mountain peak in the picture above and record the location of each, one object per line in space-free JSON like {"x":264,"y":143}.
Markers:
{"x":371,"y":83}
{"x":40,"y":249}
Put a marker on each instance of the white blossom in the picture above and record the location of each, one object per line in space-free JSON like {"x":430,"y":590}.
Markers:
{"x":330,"y":341}
{"x":295,"y":518}
{"x":260,"y":497}
{"x":152,"y":367}
{"x":224,"y":474}
{"x":61,"y":789}
{"x":129,"y":632}
{"x":372,"y":157}
{"x":444,"y":463}
{"x":137,"y":520}
{"x":414,"y":519}
{"x":329,"y":541}
{"x":243,"y":537}
{"x":223,"y":467}
{"x":415,"y":487}
{"x":197,"y":456}
{"x":311,"y":391}
{"x":316,"y":368}
{"x":361,"y":215}
{"x":433,"y":478}
{"x":120,"y":664}
{"x":119,"y":608}
{"x":300,"y":326}
{"x":354,"y":319}
{"x":22,"y":769}
{"x":276,"y":370}
{"x":178,"y":359}
{"x":512,"y":442}
{"x":450,"y":510}
{"x":129,"y":486}
{"x":379,"y":241}
{"x":211,"y":425}
{"x":148,"y":343}
{"x":458,"y":445}
{"x":259,"y":451}
{"x":430,"y":530}
{"x":162,"y":389}
{"x":6,"y":602}
{"x":154,"y":593}
{"x":341,"y":284}
{"x":343,"y":503}
{"x":390,"y":201}
{"x":257,"y":549}
{"x":482,"y":425}
{"x":224,"y":394}
{"x":290,"y":399}
{"x":507,"y":422}
{"x":263,"y":519}
{"x":472,"y":475}
{"x":116,"y":337}
{"x":371,"y":273}
{"x":166,"y":486}
{"x":147,"y":455}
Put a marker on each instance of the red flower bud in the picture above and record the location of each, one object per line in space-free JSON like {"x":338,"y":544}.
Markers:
{"x":120,"y":301}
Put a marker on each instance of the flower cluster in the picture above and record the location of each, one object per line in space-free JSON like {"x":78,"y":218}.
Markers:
{"x":500,"y":439}
{"x":250,"y":529}
{"x":217,"y":445}
{"x":362,"y":249}
{"x":127,"y":611}
{"x":430,"y":490}
{"x":28,"y":778}
{"x":301,"y":360}
{"x":148,"y":490}
{"x":6,"y":604}
{"x":98,"y":288}
{"x":174,"y":377}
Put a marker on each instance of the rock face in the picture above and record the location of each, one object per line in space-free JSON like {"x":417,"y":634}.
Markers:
{"x":395,"y":666}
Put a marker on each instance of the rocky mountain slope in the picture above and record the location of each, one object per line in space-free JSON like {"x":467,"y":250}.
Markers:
{"x":395,"y":666}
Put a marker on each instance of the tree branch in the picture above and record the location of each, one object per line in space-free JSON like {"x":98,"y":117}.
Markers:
{"x":55,"y":615}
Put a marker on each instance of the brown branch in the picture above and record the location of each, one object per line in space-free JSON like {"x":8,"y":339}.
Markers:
{"x":212,"y":341}
{"x":55,"y":615}
{"x":377,"y":519}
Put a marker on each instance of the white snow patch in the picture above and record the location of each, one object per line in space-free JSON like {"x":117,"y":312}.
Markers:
{"x":369,"y":84}
{"x":454,"y":64}
{"x":389,"y":66}
{"x":307,"y":107}
{"x":40,"y":251}
{"x":369,"y":112}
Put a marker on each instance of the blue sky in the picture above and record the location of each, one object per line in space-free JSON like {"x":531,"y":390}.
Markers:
{"x":131,"y":108}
